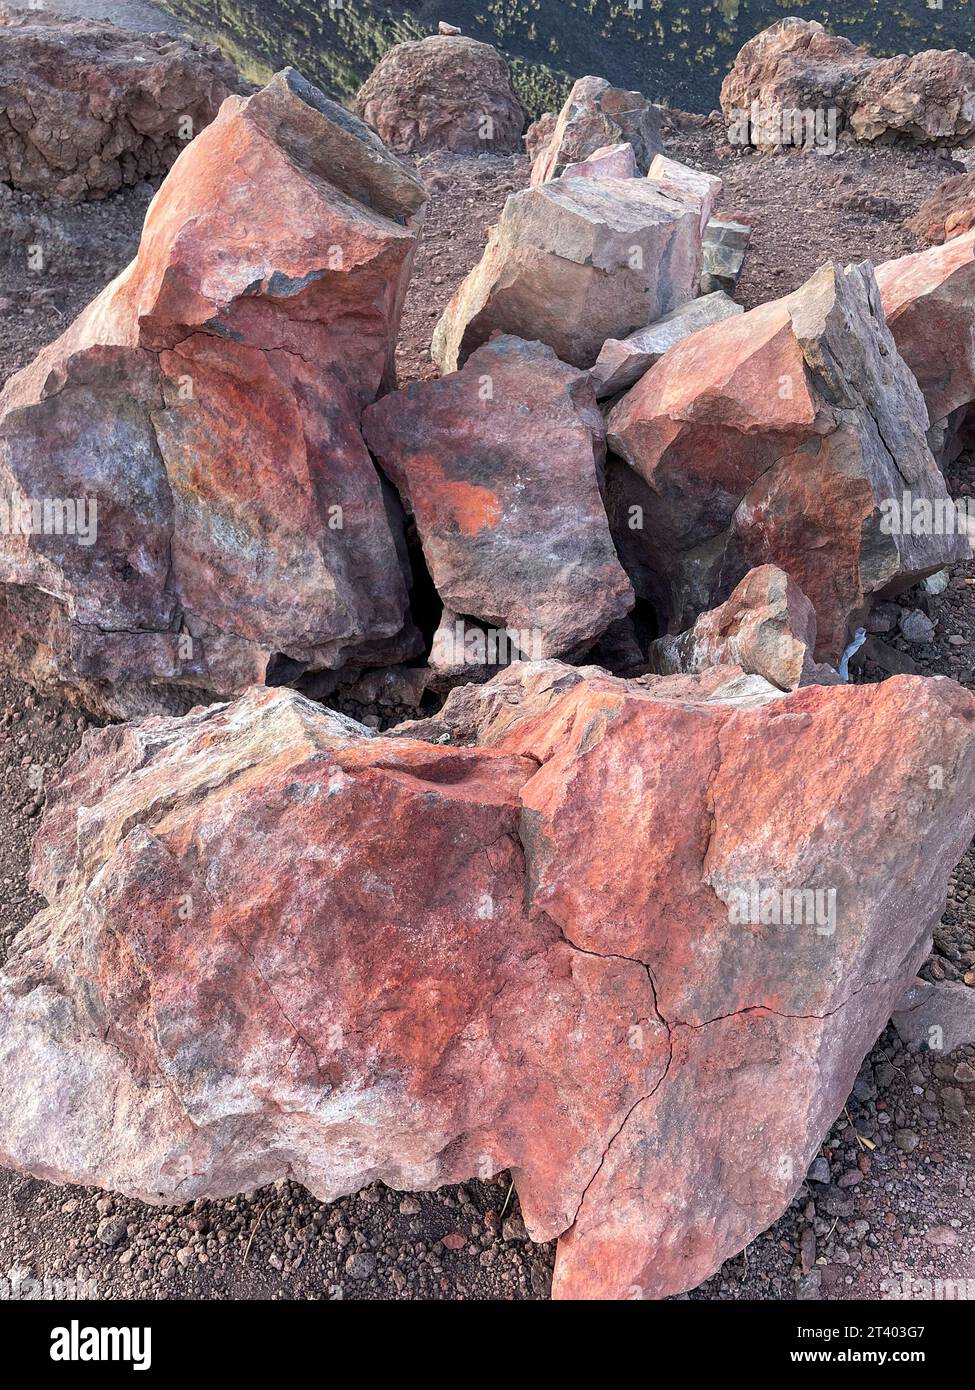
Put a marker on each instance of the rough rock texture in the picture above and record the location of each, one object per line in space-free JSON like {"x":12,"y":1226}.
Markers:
{"x":572,"y":263}
{"x":501,"y":466}
{"x":767,"y":628}
{"x":609,"y":162}
{"x":795,"y":67}
{"x":949,"y":211}
{"x":539,"y":133}
{"x":940,"y":1017}
{"x":724,"y":247}
{"x":929,"y":300}
{"x":208,"y":403}
{"x":685,"y":184}
{"x":777,"y":437}
{"x":596,"y":114}
{"x":442,"y":93}
{"x":278,"y":946}
{"x":86,"y":107}
{"x":622,"y":361}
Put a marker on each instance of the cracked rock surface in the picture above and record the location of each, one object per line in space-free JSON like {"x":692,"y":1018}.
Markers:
{"x":281,"y":946}
{"x":776,"y":437}
{"x":207,"y":404}
{"x":86,"y":107}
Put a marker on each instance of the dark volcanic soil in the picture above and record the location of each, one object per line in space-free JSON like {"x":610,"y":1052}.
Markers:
{"x":889,"y":1206}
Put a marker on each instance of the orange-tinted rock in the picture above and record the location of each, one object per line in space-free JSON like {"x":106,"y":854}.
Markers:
{"x":572,"y":263}
{"x":634,"y":951}
{"x":786,"y":436}
{"x":597,"y":114}
{"x":948,"y":212}
{"x":681,"y":182}
{"x":501,"y":465}
{"x":86,"y":107}
{"x":208,"y":402}
{"x":929,"y":300}
{"x":608,"y":162}
{"x":767,"y":628}
{"x":795,"y":69}
{"x":445,"y":92}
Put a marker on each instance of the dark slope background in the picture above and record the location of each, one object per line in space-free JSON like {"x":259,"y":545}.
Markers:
{"x":675,"y":51}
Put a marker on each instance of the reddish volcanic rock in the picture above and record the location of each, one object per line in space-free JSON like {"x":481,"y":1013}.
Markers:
{"x":687,"y":185}
{"x":789,"y":435}
{"x":608,"y":162}
{"x":572,"y":263}
{"x":592,"y":952}
{"x":208,"y":402}
{"x":86,"y":107}
{"x":501,"y":465}
{"x":929,"y":301}
{"x":444,"y":92}
{"x":595,"y":115}
{"x":767,"y":628}
{"x":795,"y":67}
{"x":949,"y":211}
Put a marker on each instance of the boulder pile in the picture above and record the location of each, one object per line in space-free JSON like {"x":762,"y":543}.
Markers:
{"x":613,"y":945}
{"x":86,"y":108}
{"x":595,"y":115}
{"x":795,"y":70}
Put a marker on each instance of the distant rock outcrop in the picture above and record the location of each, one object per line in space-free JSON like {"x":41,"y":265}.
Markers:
{"x":86,"y":107}
{"x":445,"y":92}
{"x":794,"y":74}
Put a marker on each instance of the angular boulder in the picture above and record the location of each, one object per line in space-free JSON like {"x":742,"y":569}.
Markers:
{"x":767,"y":628}
{"x":949,"y":212}
{"x":724,"y":247}
{"x":596,"y":114}
{"x":86,"y":107}
{"x":572,"y":263}
{"x":939,"y":1017}
{"x":205,"y":408}
{"x":622,"y":361}
{"x":793,"y":435}
{"x":685,"y":184}
{"x":929,"y":301}
{"x":795,"y":84}
{"x":445,"y":92}
{"x":539,"y":133}
{"x":501,"y":465}
{"x":590,"y":953}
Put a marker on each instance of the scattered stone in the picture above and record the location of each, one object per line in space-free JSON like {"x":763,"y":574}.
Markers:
{"x":87,"y":107}
{"x":727,"y":474}
{"x":916,"y":626}
{"x":208,"y":405}
{"x":906,"y":1140}
{"x":767,"y":627}
{"x":500,"y":464}
{"x":597,"y":114}
{"x":572,"y":263}
{"x":442,"y":93}
{"x":361,"y":1265}
{"x":949,"y":211}
{"x":111,"y":1232}
{"x":819,"y":1172}
{"x":724,"y":248}
{"x":623,"y":361}
{"x":940,"y":1017}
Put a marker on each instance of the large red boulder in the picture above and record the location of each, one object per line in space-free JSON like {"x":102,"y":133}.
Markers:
{"x":929,"y":301}
{"x":445,"y":92}
{"x":592,"y":952}
{"x":501,"y":466}
{"x":207,"y":406}
{"x":793,"y":435}
{"x":794,"y":83}
{"x":86,"y":107}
